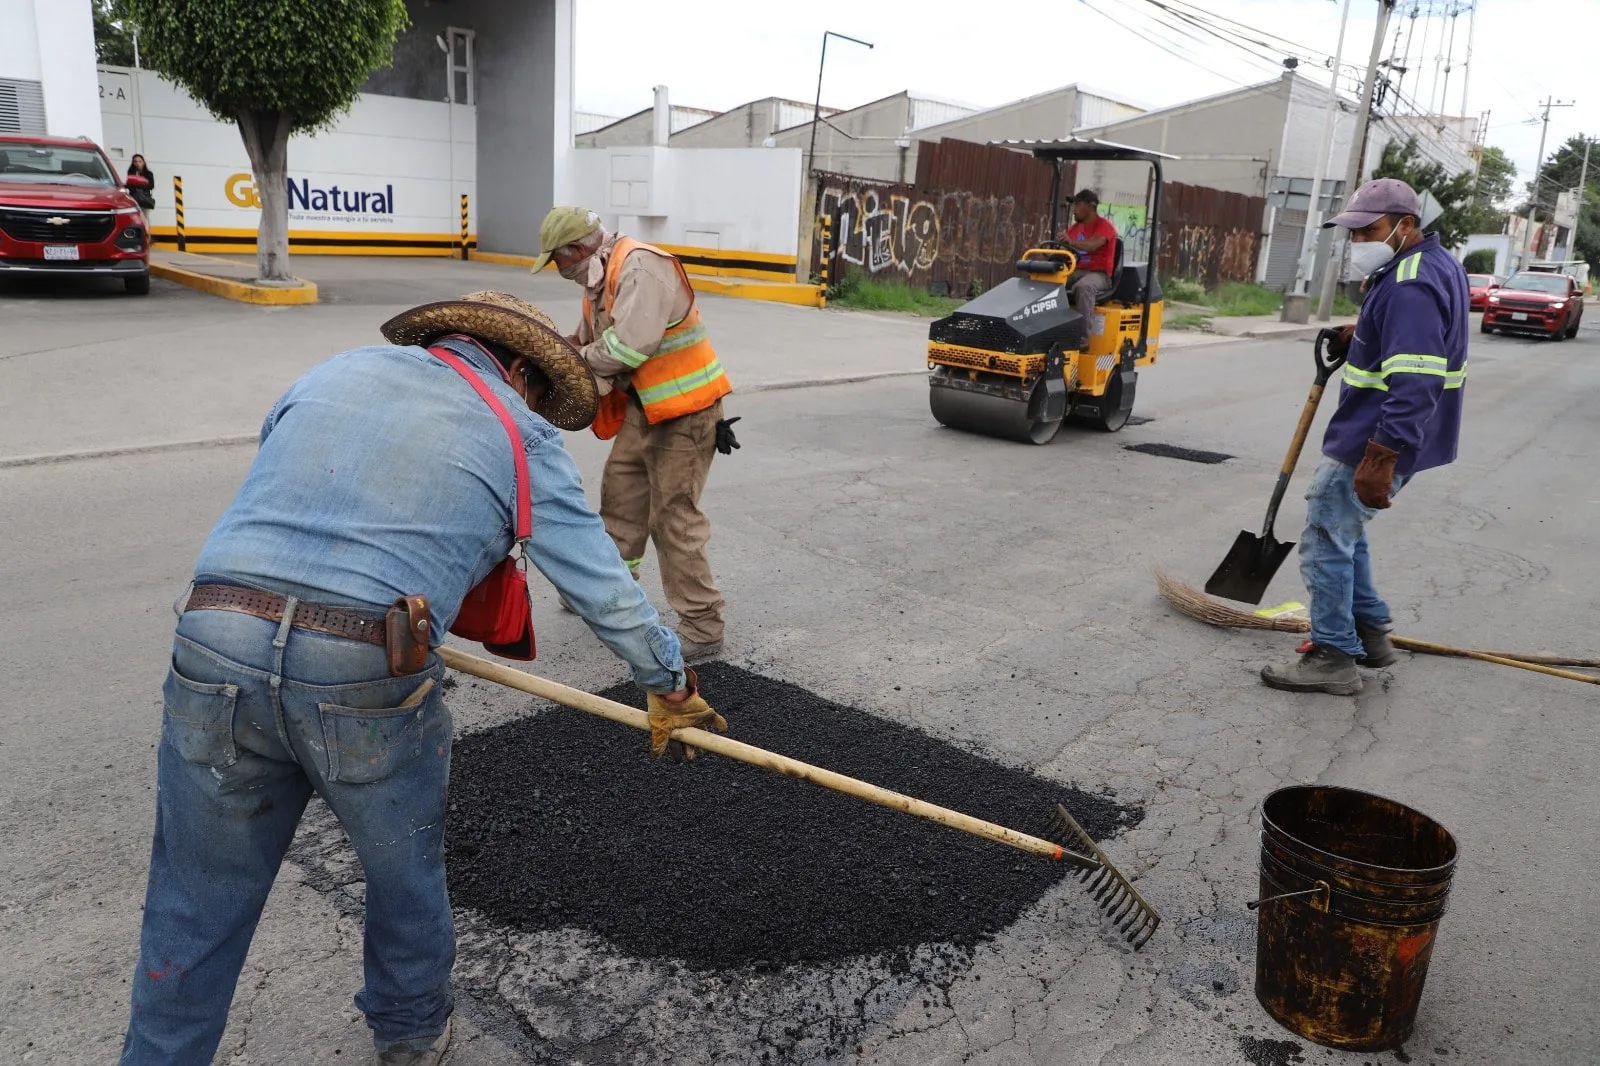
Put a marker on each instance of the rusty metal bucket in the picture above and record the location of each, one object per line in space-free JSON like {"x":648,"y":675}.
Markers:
{"x":1352,"y":889}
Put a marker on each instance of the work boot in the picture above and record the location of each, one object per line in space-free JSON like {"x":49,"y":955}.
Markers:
{"x":1379,"y":650}
{"x":417,"y":1052}
{"x":1321,"y":669}
{"x":694,"y":650}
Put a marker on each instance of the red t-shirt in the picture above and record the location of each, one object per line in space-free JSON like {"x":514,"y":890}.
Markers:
{"x":1103,"y":259}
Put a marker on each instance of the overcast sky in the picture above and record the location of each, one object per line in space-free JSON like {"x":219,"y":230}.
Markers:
{"x":720,"y":53}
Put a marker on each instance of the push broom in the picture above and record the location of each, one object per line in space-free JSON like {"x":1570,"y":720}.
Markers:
{"x":1133,"y":918}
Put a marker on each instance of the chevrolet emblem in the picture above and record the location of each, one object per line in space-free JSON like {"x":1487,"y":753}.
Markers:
{"x":57,"y":220}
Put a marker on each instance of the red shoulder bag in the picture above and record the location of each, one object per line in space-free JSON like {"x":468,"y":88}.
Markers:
{"x":497,"y":612}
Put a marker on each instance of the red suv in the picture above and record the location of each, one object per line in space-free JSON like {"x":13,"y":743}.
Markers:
{"x":1532,"y":301}
{"x":63,"y":212}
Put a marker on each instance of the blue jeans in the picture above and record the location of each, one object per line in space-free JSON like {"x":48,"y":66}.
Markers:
{"x":1333,"y":558}
{"x":257,"y":717}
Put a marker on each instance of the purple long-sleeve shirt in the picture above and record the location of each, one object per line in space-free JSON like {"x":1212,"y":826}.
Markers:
{"x":1405,"y":375}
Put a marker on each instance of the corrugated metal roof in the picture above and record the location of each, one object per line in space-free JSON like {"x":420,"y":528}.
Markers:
{"x":931,"y":111}
{"x":589,"y":121}
{"x":1083,"y":148}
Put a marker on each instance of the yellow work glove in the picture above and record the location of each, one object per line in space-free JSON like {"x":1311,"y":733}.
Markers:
{"x":666,"y":717}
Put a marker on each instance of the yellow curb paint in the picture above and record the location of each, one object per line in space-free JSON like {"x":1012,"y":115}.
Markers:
{"x":243,"y":291}
{"x":1280,"y":610}
{"x":503,"y":258}
{"x":772,"y":291}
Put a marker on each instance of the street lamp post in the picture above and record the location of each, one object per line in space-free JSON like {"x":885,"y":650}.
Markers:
{"x":816,"y":110}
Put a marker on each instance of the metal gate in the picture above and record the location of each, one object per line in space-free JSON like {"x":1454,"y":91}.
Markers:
{"x":1283,"y":251}
{"x":21,"y":106}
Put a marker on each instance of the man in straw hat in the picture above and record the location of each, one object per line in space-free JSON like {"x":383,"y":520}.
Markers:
{"x":382,"y":476}
{"x":1399,"y":414}
{"x":662,"y":387}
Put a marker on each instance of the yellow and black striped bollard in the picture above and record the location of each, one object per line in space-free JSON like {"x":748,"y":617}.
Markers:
{"x":825,"y":270}
{"x":464,"y":226}
{"x":177,"y":203}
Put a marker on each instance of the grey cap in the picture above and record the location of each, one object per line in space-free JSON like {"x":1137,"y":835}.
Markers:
{"x":1378,"y":197}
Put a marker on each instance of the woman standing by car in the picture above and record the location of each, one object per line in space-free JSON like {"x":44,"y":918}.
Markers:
{"x":142,"y":192}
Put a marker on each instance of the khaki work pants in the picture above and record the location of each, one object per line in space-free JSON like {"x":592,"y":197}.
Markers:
{"x":651,"y":491}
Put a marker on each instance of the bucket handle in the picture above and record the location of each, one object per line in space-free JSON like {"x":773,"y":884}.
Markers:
{"x":1322,"y":890}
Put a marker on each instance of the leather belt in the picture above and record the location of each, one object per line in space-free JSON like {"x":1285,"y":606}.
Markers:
{"x":334,"y":621}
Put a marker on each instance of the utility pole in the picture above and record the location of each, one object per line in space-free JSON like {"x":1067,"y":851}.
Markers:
{"x":1358,"y":148}
{"x":816,"y":111}
{"x":1538,"y":173}
{"x":1466,"y":64}
{"x":1295,"y":310}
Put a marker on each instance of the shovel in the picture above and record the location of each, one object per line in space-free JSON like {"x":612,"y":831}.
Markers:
{"x":1250,"y":564}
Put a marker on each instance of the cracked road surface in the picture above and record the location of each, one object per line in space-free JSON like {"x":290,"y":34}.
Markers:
{"x":994,"y":595}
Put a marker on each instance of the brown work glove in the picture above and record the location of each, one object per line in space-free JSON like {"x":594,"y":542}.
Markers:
{"x":1375,"y":475}
{"x":665,"y":717}
{"x":1339,"y":341}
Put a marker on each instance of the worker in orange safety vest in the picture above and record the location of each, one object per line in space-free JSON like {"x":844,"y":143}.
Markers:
{"x":661,"y":406}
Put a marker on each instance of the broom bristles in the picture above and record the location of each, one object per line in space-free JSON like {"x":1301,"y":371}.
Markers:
{"x":1196,"y":604}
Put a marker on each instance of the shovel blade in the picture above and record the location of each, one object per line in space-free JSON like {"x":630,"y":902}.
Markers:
{"x":1249,"y":566}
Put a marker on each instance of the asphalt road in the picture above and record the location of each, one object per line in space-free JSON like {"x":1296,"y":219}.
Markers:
{"x":995,"y":595}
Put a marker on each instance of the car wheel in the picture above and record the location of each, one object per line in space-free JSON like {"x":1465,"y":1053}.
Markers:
{"x":139,"y":286}
{"x":1485,"y":327}
{"x":1572,"y":331}
{"x":1560,"y":334}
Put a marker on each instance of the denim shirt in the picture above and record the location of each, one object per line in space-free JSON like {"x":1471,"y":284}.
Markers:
{"x":382,"y":474}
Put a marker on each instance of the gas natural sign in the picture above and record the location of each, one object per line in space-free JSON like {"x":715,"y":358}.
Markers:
{"x":308,"y":201}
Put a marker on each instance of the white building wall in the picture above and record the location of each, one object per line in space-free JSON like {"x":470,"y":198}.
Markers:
{"x":52,"y":42}
{"x":383,"y":145}
{"x":717,"y":199}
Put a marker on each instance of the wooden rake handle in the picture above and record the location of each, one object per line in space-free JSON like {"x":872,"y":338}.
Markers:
{"x":1430,"y":648}
{"x":754,"y":756}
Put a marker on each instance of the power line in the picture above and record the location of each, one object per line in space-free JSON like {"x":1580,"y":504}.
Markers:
{"x":1160,"y":44}
{"x":1269,"y":62}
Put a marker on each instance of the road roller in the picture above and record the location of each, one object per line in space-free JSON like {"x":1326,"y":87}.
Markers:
{"x":1019,"y":360}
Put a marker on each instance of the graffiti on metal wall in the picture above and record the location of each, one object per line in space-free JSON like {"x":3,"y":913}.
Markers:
{"x":1211,"y":254}
{"x":1132,"y":225}
{"x":892,"y":228}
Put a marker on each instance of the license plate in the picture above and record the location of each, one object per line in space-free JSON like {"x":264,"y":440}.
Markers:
{"x":1519,"y":316}
{"x":61,"y":251}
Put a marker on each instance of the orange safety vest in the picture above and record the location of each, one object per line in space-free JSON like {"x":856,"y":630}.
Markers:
{"x":684,"y":374}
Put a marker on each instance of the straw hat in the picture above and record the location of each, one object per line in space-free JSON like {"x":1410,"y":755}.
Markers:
{"x":521,"y":327}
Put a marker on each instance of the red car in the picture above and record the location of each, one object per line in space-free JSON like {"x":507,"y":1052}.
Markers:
{"x":1482,"y":285}
{"x":1531,"y":301}
{"x":64,"y":213}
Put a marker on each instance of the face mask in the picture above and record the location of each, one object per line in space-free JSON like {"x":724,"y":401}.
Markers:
{"x":1368,"y":256}
{"x":576,"y":272}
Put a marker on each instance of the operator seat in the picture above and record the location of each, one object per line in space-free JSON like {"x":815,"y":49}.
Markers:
{"x":1118,"y":273}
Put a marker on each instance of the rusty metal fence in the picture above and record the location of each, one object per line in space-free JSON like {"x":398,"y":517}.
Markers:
{"x":973,"y":209}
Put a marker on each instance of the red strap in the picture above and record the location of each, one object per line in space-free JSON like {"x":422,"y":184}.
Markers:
{"x":518,"y":451}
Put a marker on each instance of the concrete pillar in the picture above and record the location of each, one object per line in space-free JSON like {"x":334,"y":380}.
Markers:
{"x":661,"y":118}
{"x":524,"y":98}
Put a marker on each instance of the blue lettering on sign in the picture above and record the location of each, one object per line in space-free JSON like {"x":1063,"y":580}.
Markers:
{"x":304,"y":197}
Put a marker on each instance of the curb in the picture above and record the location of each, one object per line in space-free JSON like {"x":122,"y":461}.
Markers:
{"x":771,"y":291}
{"x":47,"y":458}
{"x":304,"y":292}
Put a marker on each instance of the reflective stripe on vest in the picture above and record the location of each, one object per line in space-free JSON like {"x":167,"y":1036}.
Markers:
{"x":1405,"y":363}
{"x":683,"y":375}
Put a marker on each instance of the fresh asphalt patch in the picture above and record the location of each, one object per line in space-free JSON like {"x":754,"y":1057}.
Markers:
{"x":1174,"y":451}
{"x":557,"y":820}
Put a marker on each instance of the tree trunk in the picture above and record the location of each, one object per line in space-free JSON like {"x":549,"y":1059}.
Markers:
{"x":266,"y":140}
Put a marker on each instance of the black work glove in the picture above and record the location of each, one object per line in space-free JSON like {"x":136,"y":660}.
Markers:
{"x":1339,"y":340}
{"x":726,"y":441}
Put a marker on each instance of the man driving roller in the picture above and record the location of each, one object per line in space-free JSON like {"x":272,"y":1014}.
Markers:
{"x":1094,"y":239}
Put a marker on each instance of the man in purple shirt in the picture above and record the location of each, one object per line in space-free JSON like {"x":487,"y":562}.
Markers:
{"x":1399,"y":414}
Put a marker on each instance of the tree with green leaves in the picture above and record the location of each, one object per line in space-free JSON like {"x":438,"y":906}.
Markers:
{"x":113,"y":34}
{"x":1492,"y":194}
{"x":272,"y":67}
{"x":1452,"y":192}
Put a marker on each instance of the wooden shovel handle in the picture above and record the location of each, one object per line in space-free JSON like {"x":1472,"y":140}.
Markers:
{"x":754,"y":756}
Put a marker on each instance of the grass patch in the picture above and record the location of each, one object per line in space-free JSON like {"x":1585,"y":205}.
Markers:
{"x":1245,"y":298}
{"x":1188,"y":320}
{"x":866,"y":293}
{"x":1342,"y":304}
{"x":1184,"y":291}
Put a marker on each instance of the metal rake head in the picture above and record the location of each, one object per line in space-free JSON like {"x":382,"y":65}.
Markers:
{"x":1135,"y":919}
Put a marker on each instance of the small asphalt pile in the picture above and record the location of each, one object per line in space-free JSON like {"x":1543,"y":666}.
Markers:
{"x":561,"y":820}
